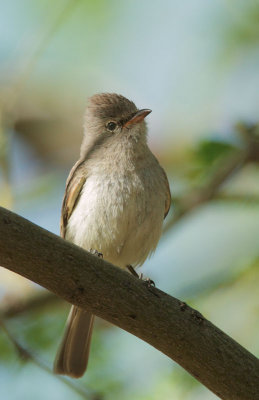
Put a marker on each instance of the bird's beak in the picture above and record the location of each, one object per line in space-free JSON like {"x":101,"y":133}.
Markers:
{"x":137,"y":117}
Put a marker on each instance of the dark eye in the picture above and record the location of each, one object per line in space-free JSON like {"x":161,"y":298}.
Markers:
{"x":111,"y":126}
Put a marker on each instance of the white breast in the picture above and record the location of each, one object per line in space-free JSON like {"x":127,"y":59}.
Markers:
{"x":120,"y":216}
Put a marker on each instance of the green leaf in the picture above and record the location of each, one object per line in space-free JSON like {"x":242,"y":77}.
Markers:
{"x":209,"y":151}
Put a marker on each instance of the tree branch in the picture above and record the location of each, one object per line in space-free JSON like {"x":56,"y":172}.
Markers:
{"x":200,"y":196}
{"x":164,"y":322}
{"x":18,"y":306}
{"x":27,"y":355}
{"x":249,"y":152}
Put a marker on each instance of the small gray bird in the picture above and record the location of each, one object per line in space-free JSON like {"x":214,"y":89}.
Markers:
{"x":116,"y":198}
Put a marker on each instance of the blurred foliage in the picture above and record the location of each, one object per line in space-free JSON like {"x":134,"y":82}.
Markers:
{"x":5,"y":192}
{"x":243,"y":31}
{"x":53,"y":56}
{"x":8,"y":355}
{"x":209,"y":151}
{"x":206,"y":157}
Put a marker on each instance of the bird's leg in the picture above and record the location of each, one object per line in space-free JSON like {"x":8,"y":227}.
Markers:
{"x":134,"y":273}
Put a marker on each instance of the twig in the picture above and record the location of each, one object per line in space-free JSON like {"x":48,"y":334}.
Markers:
{"x":27,"y":355}
{"x":34,"y":302}
{"x":238,"y":198}
{"x":197,"y":197}
{"x":228,"y":167}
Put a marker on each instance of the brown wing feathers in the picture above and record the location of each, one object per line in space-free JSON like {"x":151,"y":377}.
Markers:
{"x":74,"y":186}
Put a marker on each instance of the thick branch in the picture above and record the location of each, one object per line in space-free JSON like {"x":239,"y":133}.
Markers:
{"x":166,"y":323}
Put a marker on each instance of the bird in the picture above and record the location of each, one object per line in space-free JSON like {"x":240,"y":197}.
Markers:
{"x":116,"y":198}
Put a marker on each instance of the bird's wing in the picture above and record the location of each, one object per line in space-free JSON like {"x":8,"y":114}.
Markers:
{"x":74,"y":185}
{"x":168,"y":195}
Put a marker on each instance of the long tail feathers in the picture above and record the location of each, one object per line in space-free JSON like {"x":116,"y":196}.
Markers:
{"x":73,"y":353}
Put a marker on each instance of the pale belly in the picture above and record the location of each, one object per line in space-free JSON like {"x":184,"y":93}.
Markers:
{"x":120,"y":216}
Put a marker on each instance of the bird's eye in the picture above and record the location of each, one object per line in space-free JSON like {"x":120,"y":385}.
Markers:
{"x":111,"y":126}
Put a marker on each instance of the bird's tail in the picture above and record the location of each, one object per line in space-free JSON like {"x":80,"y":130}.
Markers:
{"x":73,"y":353}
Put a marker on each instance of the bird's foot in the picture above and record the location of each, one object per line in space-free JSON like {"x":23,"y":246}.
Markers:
{"x":148,"y":281}
{"x":96,"y":253}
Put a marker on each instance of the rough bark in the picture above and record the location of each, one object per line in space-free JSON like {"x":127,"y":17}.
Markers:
{"x":166,"y":323}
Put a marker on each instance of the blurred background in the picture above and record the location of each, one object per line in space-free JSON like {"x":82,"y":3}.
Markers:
{"x":196,"y":65}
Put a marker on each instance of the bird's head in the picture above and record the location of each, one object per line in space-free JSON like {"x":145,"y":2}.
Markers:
{"x":109,"y":115}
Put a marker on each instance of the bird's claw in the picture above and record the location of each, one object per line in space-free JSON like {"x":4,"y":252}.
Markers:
{"x":149,"y":282}
{"x":96,"y":253}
